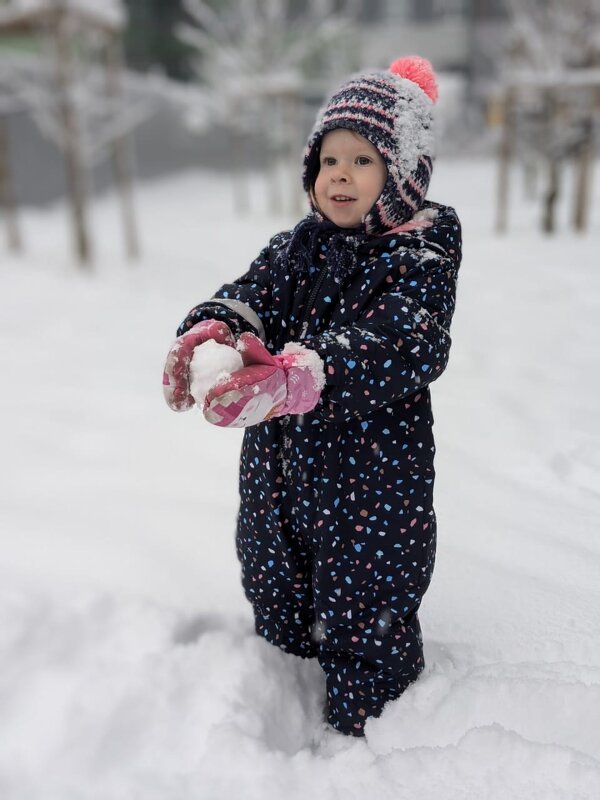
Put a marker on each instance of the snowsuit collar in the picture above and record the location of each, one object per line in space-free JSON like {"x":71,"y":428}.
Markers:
{"x":341,"y":246}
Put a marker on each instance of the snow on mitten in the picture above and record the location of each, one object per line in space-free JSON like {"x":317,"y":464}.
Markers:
{"x":176,"y":375}
{"x":267,"y":386}
{"x":211,"y":363}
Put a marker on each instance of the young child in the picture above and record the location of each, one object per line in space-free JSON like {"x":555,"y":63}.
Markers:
{"x":342,"y":324}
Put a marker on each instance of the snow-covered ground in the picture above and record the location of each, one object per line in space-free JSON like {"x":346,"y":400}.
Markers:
{"x":128,"y":664}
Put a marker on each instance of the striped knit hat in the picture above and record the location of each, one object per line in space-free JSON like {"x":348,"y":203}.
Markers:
{"x":393,"y":110}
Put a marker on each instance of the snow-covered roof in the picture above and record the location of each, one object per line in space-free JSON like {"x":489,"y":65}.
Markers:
{"x":106,"y":12}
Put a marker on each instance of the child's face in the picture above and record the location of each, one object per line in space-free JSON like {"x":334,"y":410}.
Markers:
{"x":351,"y":177}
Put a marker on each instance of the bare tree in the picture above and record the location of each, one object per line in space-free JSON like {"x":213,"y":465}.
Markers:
{"x":256,"y":56}
{"x":72,"y":90}
{"x":552,"y":78}
{"x":554,"y":35}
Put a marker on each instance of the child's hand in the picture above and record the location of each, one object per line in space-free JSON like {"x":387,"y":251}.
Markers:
{"x":176,"y":375}
{"x":267,"y":386}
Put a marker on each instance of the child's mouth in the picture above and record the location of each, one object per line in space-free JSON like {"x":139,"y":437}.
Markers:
{"x":342,"y":198}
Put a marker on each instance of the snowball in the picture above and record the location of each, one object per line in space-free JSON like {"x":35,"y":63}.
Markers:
{"x":211,"y":362}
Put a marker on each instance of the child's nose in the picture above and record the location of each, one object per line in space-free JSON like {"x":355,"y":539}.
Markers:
{"x":340,"y":175}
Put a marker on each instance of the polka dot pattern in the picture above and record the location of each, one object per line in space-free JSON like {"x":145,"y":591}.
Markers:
{"x":336,"y":527}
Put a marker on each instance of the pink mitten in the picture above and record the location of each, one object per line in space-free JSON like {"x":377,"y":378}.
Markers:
{"x":176,"y":375}
{"x":267,"y":386}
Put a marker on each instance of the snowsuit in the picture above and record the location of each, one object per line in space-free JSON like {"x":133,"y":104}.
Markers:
{"x":336,"y":528}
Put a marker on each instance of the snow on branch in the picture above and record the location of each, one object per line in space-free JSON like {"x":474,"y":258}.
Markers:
{"x":554,"y":35}
{"x":252,"y":51}
{"x":112,"y":12}
{"x":27,"y":84}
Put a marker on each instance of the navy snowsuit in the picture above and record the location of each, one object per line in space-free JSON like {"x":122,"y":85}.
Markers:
{"x":336,"y":528}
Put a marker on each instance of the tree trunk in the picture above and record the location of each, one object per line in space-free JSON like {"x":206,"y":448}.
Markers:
{"x":504,"y":159}
{"x":71,"y":136}
{"x":121,"y":153}
{"x":551,"y":196}
{"x":241,"y":201}
{"x":7,"y":196}
{"x":553,"y":158}
{"x":294,"y":113}
{"x":583,"y":181}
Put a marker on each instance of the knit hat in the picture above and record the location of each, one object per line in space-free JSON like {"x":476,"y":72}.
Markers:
{"x":393,"y":110}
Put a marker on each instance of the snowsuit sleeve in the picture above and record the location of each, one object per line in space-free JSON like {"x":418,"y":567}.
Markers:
{"x":401,"y":341}
{"x":245,"y":304}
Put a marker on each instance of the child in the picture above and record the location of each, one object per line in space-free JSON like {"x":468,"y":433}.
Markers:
{"x":342,"y":324}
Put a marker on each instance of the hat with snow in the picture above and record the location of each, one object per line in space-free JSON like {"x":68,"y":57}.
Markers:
{"x":393,"y":110}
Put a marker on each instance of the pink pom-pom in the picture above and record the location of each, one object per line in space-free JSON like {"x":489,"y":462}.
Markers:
{"x":419,"y":71}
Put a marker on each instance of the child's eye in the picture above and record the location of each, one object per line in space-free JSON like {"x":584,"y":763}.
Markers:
{"x":363,"y":160}
{"x":328,"y":161}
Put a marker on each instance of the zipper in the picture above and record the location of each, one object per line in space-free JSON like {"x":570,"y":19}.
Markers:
{"x":311,"y":300}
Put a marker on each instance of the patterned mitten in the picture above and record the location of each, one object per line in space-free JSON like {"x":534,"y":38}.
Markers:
{"x":267,"y":386}
{"x":176,"y":375}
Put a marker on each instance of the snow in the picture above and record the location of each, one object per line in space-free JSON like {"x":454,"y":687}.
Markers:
{"x":307,"y":359}
{"x":343,"y":340}
{"x":111,"y":11}
{"x":128,"y":662}
{"x":211,"y":363}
